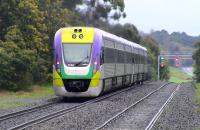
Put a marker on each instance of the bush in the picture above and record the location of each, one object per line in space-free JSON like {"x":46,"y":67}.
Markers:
{"x":15,"y":72}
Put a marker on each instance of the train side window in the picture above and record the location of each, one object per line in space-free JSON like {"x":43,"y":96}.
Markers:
{"x":133,"y":58}
{"x":125,"y":57}
{"x":120,"y":56}
{"x":129,"y":59}
{"x":109,"y":55}
{"x":142,"y":59}
{"x":139,"y":59}
{"x":102,"y":56}
{"x":136,"y":58}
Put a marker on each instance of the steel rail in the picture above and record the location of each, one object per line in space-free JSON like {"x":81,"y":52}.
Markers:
{"x":105,"y":124}
{"x":158,"y":114}
{"x":67,"y":110}
{"x":29,"y":110}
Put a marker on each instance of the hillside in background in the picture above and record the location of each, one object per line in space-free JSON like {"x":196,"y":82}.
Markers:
{"x":175,"y":43}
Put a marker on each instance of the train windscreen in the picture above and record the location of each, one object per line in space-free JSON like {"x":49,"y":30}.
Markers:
{"x":77,"y":55}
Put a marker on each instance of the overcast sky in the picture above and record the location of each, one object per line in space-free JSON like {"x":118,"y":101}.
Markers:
{"x":171,"y":15}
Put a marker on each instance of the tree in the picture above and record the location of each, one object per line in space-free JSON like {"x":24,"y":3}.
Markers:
{"x":26,"y":39}
{"x":96,"y":10}
{"x":56,"y":16}
{"x":153,"y":52}
{"x":196,"y":56}
{"x":127,"y":31}
{"x":71,"y":4}
{"x":23,"y":41}
{"x":16,"y":62}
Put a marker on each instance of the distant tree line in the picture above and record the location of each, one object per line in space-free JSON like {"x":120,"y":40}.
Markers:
{"x":28,"y":28}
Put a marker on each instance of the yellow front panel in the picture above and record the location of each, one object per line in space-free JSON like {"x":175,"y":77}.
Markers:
{"x":88,"y":35}
{"x":57,"y":80}
{"x":95,"y":79}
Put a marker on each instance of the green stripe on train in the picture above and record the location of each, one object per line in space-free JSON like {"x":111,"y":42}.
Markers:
{"x":65,"y":76}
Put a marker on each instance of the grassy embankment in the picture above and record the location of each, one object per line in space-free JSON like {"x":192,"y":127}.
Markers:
{"x":198,"y":100}
{"x":21,"y":98}
{"x":179,"y":76}
{"x":198,"y":97}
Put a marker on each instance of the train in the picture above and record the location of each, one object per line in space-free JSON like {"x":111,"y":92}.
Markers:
{"x":88,"y":62}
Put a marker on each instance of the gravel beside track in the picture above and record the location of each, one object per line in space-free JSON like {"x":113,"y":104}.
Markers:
{"x":180,"y":113}
{"x":139,"y":116}
{"x":93,"y":115}
{"x":58,"y":105}
{"x":31,"y":103}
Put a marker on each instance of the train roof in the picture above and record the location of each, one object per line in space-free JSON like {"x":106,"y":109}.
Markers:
{"x":120,"y":39}
{"x":114,"y":37}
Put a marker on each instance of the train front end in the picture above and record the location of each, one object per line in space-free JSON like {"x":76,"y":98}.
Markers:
{"x":77,"y":62}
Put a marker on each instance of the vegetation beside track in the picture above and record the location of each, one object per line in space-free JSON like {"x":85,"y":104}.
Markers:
{"x":179,"y":76}
{"x":28,"y":29}
{"x":198,"y":97}
{"x":22,"y":98}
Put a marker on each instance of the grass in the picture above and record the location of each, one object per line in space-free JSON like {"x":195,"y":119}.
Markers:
{"x":198,"y":97}
{"x":15,"y":99}
{"x":179,"y":76}
{"x":198,"y":100}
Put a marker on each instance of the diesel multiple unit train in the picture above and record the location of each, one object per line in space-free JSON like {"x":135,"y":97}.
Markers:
{"x":89,"y":61}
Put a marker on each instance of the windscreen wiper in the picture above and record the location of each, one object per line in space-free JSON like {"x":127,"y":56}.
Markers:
{"x":81,"y":61}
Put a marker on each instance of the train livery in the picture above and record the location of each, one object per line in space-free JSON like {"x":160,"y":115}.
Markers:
{"x":89,"y":61}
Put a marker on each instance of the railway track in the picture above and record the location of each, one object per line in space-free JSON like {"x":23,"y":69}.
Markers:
{"x":150,"y":125}
{"x":29,"y":110}
{"x":155,"y":118}
{"x":67,"y":110}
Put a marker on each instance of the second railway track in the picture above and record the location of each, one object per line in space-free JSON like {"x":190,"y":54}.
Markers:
{"x":118,"y":115}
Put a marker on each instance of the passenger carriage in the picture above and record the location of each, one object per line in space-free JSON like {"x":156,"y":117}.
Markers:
{"x":89,"y":61}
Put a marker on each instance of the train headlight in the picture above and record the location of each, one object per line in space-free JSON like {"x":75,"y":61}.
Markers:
{"x":74,"y":36}
{"x":81,"y":36}
{"x":57,"y":63}
{"x":95,"y":63}
{"x":58,"y":66}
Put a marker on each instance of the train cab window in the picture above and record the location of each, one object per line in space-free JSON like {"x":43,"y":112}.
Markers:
{"x":76,"y":55}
